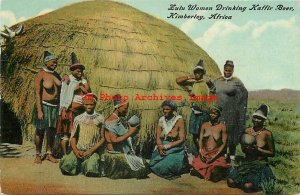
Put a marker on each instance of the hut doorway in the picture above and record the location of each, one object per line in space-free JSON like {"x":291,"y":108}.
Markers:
{"x":10,"y":125}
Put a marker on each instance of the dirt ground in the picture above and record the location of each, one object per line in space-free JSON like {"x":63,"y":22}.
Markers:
{"x":22,"y":176}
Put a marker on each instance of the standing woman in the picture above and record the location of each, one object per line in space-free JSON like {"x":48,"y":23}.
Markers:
{"x":47,"y":84}
{"x":211,"y":164}
{"x":168,"y":159}
{"x":196,"y":86}
{"x":232,"y":98}
{"x":257,"y":144}
{"x":71,"y":104}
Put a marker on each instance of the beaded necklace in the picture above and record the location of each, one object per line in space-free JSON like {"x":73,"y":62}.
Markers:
{"x":256,"y":133}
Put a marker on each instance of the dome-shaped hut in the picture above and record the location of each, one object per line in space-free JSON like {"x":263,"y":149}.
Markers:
{"x":124,"y":50}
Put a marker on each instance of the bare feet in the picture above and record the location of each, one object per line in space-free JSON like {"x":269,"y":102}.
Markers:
{"x":38,"y":159}
{"x":51,"y":158}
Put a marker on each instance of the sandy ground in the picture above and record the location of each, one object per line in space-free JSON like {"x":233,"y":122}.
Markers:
{"x":22,"y":176}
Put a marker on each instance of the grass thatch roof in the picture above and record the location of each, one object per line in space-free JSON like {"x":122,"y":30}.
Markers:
{"x":124,"y":50}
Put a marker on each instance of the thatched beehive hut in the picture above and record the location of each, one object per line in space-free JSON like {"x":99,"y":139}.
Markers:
{"x":124,"y":50}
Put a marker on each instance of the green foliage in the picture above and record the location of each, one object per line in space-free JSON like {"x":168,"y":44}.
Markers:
{"x":271,"y":187}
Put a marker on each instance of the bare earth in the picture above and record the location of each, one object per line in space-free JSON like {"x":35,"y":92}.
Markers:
{"x":22,"y":176}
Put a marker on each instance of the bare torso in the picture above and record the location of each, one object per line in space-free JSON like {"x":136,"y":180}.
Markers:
{"x":50,"y":86}
{"x":260,"y":138}
{"x":174,"y":133}
{"x":212,"y":135}
{"x":108,"y":140}
{"x":109,"y":136}
{"x":263,"y":140}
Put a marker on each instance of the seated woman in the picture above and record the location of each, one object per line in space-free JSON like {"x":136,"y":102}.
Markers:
{"x":87,"y":139}
{"x":257,"y":144}
{"x":168,"y":158}
{"x":211,"y":163}
{"x":120,"y":160}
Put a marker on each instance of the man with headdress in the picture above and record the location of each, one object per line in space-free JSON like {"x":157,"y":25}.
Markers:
{"x":232,"y":96}
{"x":120,"y":160}
{"x":47,"y":85}
{"x":196,"y":86}
{"x":169,"y":158}
{"x":87,"y":142}
{"x":211,"y":163}
{"x":258,"y":144}
{"x":71,"y":103}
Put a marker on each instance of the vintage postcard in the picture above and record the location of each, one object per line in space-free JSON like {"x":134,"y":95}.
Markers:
{"x":150,"y":97}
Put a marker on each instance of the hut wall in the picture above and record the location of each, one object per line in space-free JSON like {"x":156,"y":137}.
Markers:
{"x":124,"y":50}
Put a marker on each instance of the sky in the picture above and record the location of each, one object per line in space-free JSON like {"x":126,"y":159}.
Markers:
{"x":264,"y":44}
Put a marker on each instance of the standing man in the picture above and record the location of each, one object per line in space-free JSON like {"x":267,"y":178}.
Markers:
{"x":47,"y":85}
{"x":232,"y":98}
{"x":196,"y":86}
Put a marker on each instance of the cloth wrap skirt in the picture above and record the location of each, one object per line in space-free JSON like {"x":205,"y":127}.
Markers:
{"x":256,"y":172}
{"x":116,"y":166}
{"x":171,"y":165}
{"x":90,"y":166}
{"x":207,"y":170}
{"x":50,"y":116}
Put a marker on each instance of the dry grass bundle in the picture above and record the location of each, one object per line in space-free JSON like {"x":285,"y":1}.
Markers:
{"x":124,"y":50}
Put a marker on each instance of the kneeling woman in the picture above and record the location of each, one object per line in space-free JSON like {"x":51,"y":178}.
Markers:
{"x":169,"y":158}
{"x":120,"y":159}
{"x":87,"y":140}
{"x":211,"y":164}
{"x":257,"y":144}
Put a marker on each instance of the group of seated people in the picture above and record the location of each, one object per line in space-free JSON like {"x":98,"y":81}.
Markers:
{"x":103,"y":146}
{"x":257,"y":144}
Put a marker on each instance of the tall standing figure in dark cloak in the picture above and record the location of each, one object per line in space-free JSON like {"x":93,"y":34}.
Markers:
{"x":232,"y":96}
